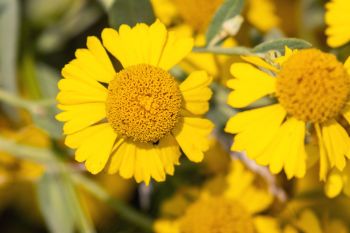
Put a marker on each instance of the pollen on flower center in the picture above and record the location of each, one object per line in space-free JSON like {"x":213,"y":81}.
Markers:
{"x":313,"y":86}
{"x":217,"y":215}
{"x":197,"y":13}
{"x":143,"y":103}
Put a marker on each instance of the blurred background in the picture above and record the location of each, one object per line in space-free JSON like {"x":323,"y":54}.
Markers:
{"x":42,"y":188}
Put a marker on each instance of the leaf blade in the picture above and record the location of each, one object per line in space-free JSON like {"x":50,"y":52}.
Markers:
{"x":229,"y":9}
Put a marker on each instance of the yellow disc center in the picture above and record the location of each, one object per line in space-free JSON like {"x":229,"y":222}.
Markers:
{"x":217,"y":215}
{"x":197,"y":13}
{"x":143,"y":103}
{"x":313,"y":86}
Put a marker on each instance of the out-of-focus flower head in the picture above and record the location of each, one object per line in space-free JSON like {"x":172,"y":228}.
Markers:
{"x":237,"y":208}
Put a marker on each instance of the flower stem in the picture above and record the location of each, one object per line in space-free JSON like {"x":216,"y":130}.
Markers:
{"x":238,"y":50}
{"x":31,"y":106}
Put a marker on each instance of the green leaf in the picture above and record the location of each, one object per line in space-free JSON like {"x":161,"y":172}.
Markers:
{"x":228,"y":10}
{"x":280,"y":44}
{"x":53,"y":200}
{"x":9,"y":27}
{"x":47,"y":80}
{"x":60,"y":204}
{"x":130,"y":12}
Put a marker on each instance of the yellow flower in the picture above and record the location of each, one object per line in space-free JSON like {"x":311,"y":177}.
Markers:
{"x":137,"y":124}
{"x":337,"y":18}
{"x":310,"y":90}
{"x":237,"y":209}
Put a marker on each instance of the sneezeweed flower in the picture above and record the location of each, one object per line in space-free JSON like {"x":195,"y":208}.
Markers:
{"x":337,"y":18}
{"x":310,"y":89}
{"x":137,"y":124}
{"x":237,"y":209}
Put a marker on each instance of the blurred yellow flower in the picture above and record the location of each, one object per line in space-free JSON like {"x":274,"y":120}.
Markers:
{"x":236,"y":209}
{"x":310,"y":87}
{"x":262,"y":14}
{"x":13,"y":169}
{"x":191,"y":18}
{"x":337,"y":18}
{"x":137,"y":125}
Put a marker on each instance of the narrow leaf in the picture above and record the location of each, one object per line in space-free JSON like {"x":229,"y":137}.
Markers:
{"x":9,"y":27}
{"x":280,"y":44}
{"x":53,"y":201}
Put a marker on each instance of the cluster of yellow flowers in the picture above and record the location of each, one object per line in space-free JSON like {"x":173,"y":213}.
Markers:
{"x":125,"y":110}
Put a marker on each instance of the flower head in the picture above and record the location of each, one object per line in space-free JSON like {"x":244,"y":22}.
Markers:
{"x":137,"y":124}
{"x":310,"y":90}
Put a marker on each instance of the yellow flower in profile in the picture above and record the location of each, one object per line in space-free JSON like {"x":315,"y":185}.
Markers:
{"x":135,"y":125}
{"x":310,"y":90}
{"x":237,"y":209}
{"x":337,"y":18}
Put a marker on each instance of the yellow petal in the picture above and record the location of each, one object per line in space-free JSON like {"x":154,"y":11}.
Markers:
{"x":75,"y":140}
{"x":99,"y":52}
{"x":287,"y":150}
{"x":192,"y":136}
{"x":175,"y":49}
{"x":337,"y":143}
{"x":169,"y":153}
{"x":249,"y":85}
{"x":96,"y":66}
{"x":196,"y":93}
{"x":74,"y":97}
{"x":255,"y":136}
{"x":324,"y":161}
{"x":82,"y":116}
{"x":96,"y":149}
{"x":141,"y":160}
{"x":148,"y":164}
{"x":334,"y":184}
{"x":337,"y":19}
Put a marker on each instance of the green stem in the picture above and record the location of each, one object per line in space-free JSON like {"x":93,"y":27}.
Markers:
{"x":223,"y":51}
{"x":31,"y":106}
{"x":45,"y":156}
